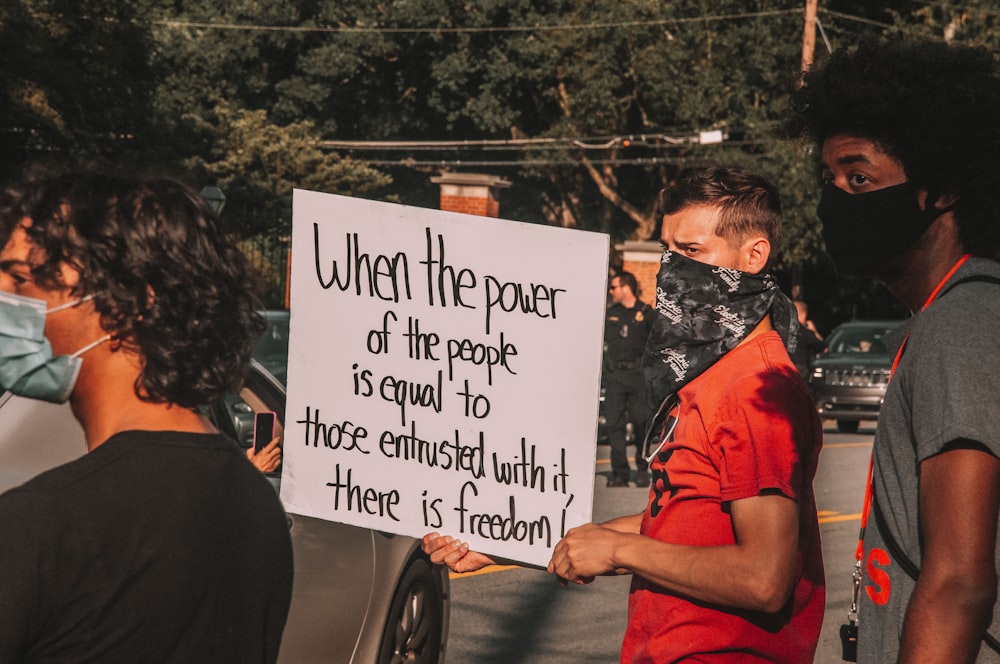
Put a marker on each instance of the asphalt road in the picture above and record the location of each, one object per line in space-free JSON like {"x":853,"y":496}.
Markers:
{"x":516,"y":615}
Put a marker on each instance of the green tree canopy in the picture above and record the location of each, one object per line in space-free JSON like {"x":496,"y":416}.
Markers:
{"x":588,"y":106}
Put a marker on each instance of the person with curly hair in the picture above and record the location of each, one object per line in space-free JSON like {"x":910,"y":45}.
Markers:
{"x":909,"y":138}
{"x":122,"y":295}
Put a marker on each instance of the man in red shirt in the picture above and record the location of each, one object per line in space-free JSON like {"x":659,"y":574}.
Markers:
{"x":726,"y":557}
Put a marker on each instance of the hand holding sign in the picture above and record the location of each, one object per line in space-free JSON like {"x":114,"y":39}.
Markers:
{"x":455,"y":554}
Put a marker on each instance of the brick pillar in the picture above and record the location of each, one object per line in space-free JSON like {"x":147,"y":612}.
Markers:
{"x":643,"y":260}
{"x":470,"y":193}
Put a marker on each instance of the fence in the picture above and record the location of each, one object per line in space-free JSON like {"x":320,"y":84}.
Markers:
{"x":270,"y":255}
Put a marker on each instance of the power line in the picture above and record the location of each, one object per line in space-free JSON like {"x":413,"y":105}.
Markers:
{"x":904,"y":28}
{"x":584,"y":143}
{"x":483,"y":29}
{"x":858,"y":19}
{"x":520,"y":163}
{"x":527,"y":162}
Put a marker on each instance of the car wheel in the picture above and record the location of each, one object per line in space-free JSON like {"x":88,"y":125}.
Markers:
{"x":416,"y":618}
{"x":848,"y":426}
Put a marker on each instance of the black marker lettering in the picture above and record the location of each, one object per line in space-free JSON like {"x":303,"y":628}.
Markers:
{"x":380,"y":277}
{"x":511,"y":296}
{"x":367,"y":501}
{"x":442,"y":277}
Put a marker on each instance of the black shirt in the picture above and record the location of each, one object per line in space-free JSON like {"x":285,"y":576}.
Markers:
{"x":625,"y":333}
{"x":155,"y":547}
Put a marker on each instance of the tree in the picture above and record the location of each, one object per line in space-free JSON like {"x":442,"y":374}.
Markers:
{"x":599,"y":103}
{"x":258,"y":163}
{"x":76,"y":81}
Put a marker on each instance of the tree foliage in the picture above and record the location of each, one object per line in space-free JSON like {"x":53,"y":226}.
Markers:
{"x":259,"y":162}
{"x":243,"y":93}
{"x":75,"y":81}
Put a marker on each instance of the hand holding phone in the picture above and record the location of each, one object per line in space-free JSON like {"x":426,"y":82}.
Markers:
{"x":263,"y":429}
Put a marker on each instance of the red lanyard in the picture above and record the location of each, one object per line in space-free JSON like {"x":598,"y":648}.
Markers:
{"x":859,"y":553}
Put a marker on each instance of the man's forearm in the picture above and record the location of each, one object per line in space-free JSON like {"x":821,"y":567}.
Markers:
{"x":756,"y":573}
{"x":625,"y":524}
{"x":953,"y":600}
{"x":724,"y":575}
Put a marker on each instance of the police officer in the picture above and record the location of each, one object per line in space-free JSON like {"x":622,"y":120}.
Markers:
{"x":626,"y":328}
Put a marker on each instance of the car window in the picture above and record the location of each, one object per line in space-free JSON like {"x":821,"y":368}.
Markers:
{"x":233,"y":415}
{"x":859,"y":340}
{"x":272,"y":348}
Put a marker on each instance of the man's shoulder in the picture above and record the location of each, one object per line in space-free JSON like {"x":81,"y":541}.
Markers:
{"x":978,"y":277}
{"x":967,"y":310}
{"x":762,"y":354}
{"x":52,"y":483}
{"x":122,"y":452}
{"x":643,"y":313}
{"x":757,"y":369}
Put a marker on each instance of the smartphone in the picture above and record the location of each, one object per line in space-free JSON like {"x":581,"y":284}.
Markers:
{"x":263,"y":429}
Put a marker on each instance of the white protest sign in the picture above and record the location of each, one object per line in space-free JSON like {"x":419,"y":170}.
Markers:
{"x":443,"y":373}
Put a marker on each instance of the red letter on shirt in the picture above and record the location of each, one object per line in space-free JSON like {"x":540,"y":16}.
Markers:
{"x":881,"y":586}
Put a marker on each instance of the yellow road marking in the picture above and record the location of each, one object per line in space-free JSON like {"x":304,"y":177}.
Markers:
{"x":486,"y":570}
{"x":840,"y":517}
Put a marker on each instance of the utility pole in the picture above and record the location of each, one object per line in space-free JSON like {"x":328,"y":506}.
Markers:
{"x":808,"y":49}
{"x":809,"y":35}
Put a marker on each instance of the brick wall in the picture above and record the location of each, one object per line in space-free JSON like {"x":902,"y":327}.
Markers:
{"x":470,"y":193}
{"x":485,"y":206}
{"x":643,"y":260}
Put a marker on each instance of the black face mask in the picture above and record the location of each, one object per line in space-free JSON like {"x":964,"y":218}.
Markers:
{"x":863,"y":231}
{"x":702,"y":312}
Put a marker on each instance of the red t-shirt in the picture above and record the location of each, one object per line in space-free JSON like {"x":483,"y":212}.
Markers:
{"x":744,"y":426}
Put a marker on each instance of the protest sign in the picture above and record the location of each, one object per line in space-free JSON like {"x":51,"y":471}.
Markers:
{"x":443,"y":374}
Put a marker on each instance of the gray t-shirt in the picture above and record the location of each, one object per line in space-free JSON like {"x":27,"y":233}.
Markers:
{"x":946,"y":387}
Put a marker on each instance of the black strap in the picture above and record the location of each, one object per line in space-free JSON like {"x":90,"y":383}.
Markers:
{"x":904,"y":561}
{"x":990,"y":279}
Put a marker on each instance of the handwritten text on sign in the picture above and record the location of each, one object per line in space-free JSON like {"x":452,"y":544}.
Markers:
{"x":443,"y":373}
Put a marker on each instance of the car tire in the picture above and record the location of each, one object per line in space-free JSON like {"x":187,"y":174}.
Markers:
{"x":416,"y":617}
{"x":848,"y":426}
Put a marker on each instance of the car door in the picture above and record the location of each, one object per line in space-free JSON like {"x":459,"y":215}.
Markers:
{"x":35,"y":436}
{"x":334,"y":563}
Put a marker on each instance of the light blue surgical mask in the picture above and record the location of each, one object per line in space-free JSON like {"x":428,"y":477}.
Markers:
{"x":27,"y":366}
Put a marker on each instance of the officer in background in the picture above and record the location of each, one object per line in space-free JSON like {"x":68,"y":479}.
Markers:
{"x":809,"y":342}
{"x":626,"y":327}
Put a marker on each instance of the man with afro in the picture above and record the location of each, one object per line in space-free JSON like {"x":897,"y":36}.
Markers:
{"x":909,"y":144}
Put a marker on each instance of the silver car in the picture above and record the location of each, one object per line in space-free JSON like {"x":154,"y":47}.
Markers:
{"x":359,"y":596}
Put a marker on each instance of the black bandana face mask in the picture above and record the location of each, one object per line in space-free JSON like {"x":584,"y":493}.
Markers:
{"x":863,"y":231}
{"x":702,"y":312}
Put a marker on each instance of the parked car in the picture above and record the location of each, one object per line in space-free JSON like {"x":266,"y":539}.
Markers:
{"x":359,"y":595}
{"x":848,"y":378}
{"x":272,"y":347}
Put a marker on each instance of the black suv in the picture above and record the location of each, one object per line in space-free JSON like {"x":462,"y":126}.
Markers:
{"x":848,"y":379}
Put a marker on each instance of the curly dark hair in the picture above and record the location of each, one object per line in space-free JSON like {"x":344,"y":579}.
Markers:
{"x":166,"y":281}
{"x":932,"y":106}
